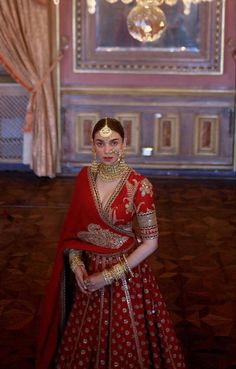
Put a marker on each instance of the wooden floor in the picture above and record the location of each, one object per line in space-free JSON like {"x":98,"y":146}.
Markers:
{"x":195,"y":265}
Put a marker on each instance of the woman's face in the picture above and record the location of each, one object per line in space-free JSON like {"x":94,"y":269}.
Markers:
{"x":108,"y":149}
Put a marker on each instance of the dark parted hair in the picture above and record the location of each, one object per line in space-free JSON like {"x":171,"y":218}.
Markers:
{"x":112,"y":123}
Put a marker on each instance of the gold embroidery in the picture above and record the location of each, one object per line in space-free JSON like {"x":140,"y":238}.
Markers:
{"x":131,"y":314}
{"x":113,"y":217}
{"x":104,"y":213}
{"x":148,"y":224}
{"x":126,"y":227}
{"x":131,"y":190}
{"x":101,"y":237}
{"x":111,"y":321}
{"x":146,"y":187}
{"x":100,"y":325}
{"x":80,"y":329}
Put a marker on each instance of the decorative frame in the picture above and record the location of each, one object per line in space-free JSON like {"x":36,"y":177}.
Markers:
{"x":84,"y":127}
{"x":206,"y":135}
{"x":89,"y":57}
{"x":166,"y":133}
{"x":130,"y":122}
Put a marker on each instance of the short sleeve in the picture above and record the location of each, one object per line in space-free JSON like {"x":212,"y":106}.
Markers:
{"x":146,"y":210}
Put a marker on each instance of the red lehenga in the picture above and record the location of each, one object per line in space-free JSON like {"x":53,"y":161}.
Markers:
{"x":124,"y":325}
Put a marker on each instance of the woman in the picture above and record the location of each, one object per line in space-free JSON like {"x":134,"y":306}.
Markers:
{"x":118,"y":318}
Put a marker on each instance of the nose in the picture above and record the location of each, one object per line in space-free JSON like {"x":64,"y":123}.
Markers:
{"x":107,"y":148}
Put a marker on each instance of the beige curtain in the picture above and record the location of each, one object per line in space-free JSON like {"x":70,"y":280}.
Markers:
{"x":26,"y":54}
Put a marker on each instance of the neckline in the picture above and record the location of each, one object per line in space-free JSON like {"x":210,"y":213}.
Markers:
{"x":104,"y":208}
{"x":109,"y":195}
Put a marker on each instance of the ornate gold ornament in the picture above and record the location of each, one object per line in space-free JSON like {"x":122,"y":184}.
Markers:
{"x":113,"y":172}
{"x":105,"y":131}
{"x":94,"y":165}
{"x":101,"y":237}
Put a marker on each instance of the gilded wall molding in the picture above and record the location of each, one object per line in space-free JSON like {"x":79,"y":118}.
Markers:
{"x":94,"y":55}
{"x":144,"y":91}
{"x":165,"y":165}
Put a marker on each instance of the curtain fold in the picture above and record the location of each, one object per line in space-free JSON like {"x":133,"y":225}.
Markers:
{"x":26,"y":54}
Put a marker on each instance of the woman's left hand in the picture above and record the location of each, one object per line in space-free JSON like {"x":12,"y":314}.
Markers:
{"x":94,"y":282}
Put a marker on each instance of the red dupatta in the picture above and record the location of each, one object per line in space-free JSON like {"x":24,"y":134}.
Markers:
{"x":84,"y":210}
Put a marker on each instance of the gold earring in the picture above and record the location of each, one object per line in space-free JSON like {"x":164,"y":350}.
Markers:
{"x":121,"y":156}
{"x":94,"y":165}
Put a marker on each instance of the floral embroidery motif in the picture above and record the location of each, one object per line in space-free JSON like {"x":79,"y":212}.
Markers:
{"x":146,"y":188}
{"x":102,"y":237}
{"x":112,"y":215}
{"x":131,"y":190}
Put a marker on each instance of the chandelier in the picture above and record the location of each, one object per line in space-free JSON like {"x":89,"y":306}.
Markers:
{"x":146,"y":22}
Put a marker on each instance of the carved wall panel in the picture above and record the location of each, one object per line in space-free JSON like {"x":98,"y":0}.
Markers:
{"x":84,"y":126}
{"x":181,"y":131}
{"x":130,"y":122}
{"x":166,"y":137}
{"x":85,"y":122}
{"x":206,"y":138}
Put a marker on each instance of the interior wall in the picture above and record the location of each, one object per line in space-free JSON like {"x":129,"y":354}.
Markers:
{"x":179,"y":81}
{"x":187,"y":120}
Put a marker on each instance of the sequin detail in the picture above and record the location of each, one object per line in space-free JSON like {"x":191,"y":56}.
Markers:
{"x":102,"y":237}
{"x":148,"y":224}
{"x":146,"y":188}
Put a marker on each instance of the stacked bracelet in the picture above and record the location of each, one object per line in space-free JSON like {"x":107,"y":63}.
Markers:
{"x":117,"y":271}
{"x":107,"y":275}
{"x":127,"y":266}
{"x":75,"y":259}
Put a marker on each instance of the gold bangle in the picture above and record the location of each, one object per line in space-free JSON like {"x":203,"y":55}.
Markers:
{"x":107,"y":275}
{"x":75,"y":261}
{"x":118,"y":270}
{"x":115,"y":273}
{"x":127,"y":266}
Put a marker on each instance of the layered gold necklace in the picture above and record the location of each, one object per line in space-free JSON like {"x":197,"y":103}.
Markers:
{"x":110,"y":173}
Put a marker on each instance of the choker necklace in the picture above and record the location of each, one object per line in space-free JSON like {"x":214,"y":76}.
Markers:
{"x":112,"y":172}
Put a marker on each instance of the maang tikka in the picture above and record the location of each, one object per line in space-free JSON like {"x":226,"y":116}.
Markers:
{"x":105,"y":131}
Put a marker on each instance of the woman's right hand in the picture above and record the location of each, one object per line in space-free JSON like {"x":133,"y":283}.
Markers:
{"x":81,"y":275}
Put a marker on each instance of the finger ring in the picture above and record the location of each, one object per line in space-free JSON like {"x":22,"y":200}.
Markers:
{"x":86,"y":283}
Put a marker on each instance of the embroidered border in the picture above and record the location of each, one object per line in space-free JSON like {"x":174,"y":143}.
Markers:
{"x":131,"y":313}
{"x":100,"y":326}
{"x":78,"y":336}
{"x":110,"y":328}
{"x":94,"y":191}
{"x":102,"y":237}
{"x":148,"y":224}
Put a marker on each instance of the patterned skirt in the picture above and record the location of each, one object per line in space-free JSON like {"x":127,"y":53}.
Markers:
{"x":125,"y":325}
